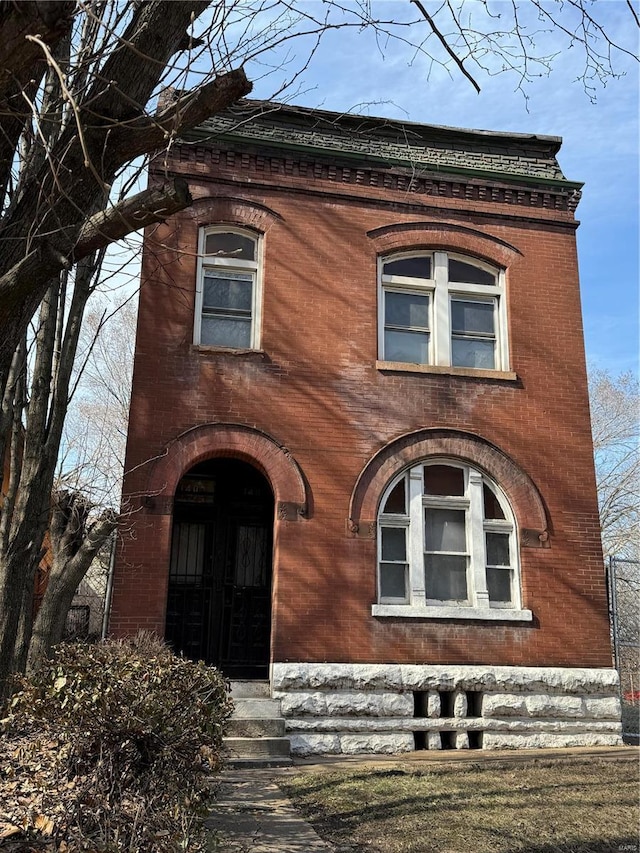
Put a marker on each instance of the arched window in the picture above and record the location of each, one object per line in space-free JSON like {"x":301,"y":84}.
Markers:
{"x":440,"y":308}
{"x":447,"y":545}
{"x":228,"y":289}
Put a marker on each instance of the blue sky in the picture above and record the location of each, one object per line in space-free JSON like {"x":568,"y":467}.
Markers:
{"x":353,"y":72}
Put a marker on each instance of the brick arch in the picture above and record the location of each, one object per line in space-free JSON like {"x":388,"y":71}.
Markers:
{"x":524,"y":497}
{"x":211,"y":210}
{"x":215,"y":440}
{"x":445,"y":236}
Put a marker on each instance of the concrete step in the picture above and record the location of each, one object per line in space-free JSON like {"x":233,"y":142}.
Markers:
{"x":256,"y":748}
{"x":258,"y":763}
{"x":250,"y":690}
{"x":256,"y":709}
{"x":261,"y":727}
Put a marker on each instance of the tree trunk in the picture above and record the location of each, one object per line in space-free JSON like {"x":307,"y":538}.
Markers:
{"x":51,"y":618}
{"x":74,"y":544}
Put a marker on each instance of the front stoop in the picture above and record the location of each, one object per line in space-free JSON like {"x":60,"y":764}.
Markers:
{"x":254,"y":736}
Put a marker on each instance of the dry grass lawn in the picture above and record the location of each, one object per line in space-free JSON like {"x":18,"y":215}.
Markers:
{"x":541,"y":806}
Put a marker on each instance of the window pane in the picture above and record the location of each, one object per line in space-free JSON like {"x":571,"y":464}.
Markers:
{"x":446,"y":577}
{"x":187,"y":553}
{"x":225,"y":244}
{"x":412,"y":347}
{"x":498,"y":549}
{"x":471,"y":316}
{"x":396,"y":501}
{"x":499,"y":585}
{"x":221,"y":332}
{"x":394,"y":543}
{"x":393,"y":581}
{"x":410,"y":267}
{"x":460,"y":271}
{"x":466,"y":352}
{"x":227,"y":292}
{"x":406,"y":309}
{"x":443,"y":480}
{"x":492,"y":508}
{"x":445,"y":530}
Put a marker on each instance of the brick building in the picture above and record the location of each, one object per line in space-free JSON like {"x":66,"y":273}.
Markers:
{"x":359,"y":451}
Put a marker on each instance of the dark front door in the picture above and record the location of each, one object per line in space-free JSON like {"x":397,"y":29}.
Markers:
{"x":219,"y":598}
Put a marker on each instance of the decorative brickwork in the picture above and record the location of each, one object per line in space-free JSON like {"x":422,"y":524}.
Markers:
{"x":443,"y":235}
{"x":208,"y":210}
{"x":209,"y":441}
{"x":409,"y":449}
{"x":445,"y":186}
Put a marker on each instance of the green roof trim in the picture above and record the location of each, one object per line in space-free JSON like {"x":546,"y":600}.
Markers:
{"x":515,"y":158}
{"x":514,"y":177}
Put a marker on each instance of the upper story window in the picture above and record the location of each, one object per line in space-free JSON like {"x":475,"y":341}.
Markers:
{"x":442,"y":309}
{"x":228,"y":289}
{"x":447,"y":546}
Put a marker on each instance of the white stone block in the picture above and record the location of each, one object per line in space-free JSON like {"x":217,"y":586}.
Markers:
{"x":541,"y":705}
{"x":540,"y":740}
{"x":601,"y":707}
{"x":302,"y":703}
{"x":352,"y":744}
{"x":340,"y":704}
{"x":377,"y":677}
{"x":434,"y":741}
{"x":503,"y":705}
{"x":314,"y":744}
{"x":433,"y":704}
{"x":460,"y":704}
{"x":369,"y":704}
{"x":462,"y":740}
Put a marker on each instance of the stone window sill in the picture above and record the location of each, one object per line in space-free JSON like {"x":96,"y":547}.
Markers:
{"x":472,"y":372}
{"x":213,"y":350}
{"x":476,"y":614}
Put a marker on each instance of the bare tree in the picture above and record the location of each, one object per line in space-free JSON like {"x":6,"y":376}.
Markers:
{"x":79,"y":85}
{"x":90,"y":465}
{"x":91,"y":458}
{"x":75,"y":537}
{"x":615,"y":423}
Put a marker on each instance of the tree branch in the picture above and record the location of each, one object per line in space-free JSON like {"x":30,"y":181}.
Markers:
{"x":146,"y":134}
{"x":445,"y":44}
{"x":144,"y":208}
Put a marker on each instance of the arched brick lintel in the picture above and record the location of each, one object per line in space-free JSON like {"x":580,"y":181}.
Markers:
{"x":215,"y":440}
{"x":408,"y":449}
{"x":211,"y":210}
{"x":446,"y":236}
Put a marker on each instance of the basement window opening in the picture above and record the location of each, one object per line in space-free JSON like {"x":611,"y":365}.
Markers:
{"x":446,"y":703}
{"x":475,"y":740}
{"x":420,"y":701}
{"x":447,"y":740}
{"x":420,"y":741}
{"x":474,"y":703}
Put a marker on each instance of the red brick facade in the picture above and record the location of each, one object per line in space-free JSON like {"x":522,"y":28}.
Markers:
{"x":329,"y":425}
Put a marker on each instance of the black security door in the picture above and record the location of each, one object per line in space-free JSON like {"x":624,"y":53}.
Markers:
{"x":219,"y":598}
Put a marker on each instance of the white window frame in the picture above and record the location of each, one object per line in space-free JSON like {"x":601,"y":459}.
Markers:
{"x":441,"y":292}
{"x":254,"y":268}
{"x":416,"y":602}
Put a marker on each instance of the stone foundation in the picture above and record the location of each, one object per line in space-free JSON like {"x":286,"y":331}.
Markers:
{"x":362,"y":708}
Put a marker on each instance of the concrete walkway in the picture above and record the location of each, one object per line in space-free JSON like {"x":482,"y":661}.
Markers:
{"x":251,"y":813}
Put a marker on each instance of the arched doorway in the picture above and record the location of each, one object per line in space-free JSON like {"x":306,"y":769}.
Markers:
{"x":219,"y":595}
